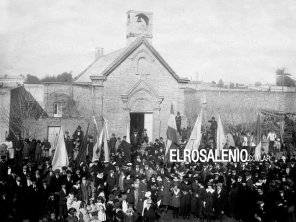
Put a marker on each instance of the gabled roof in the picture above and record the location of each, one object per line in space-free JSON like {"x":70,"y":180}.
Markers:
{"x":105,"y":65}
{"x":97,"y":66}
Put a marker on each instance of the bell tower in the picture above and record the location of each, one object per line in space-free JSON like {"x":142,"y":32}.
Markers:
{"x":139,"y":24}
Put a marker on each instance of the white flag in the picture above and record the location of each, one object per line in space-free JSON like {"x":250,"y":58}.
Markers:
{"x":107,"y":132}
{"x":105,"y":139}
{"x":60,"y":157}
{"x":195,"y":137}
{"x":96,"y":151}
{"x":258,"y":151}
{"x":128,"y":132}
{"x":221,"y":139}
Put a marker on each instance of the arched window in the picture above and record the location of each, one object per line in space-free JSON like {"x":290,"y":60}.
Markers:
{"x":143,"y":66}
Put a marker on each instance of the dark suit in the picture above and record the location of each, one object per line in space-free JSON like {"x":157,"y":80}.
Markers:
{"x":112,"y":181}
{"x":126,"y":148}
{"x":220,"y":202}
{"x":55,"y":184}
{"x":63,"y":203}
{"x":79,"y":135}
{"x":3,"y":170}
{"x":69,"y":183}
{"x":68,"y":144}
{"x":112,"y":143}
{"x":149,"y":214}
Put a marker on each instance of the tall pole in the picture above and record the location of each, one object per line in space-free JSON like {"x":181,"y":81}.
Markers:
{"x":283,"y":79}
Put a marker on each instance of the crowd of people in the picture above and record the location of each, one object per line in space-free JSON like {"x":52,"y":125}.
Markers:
{"x":137,"y":184}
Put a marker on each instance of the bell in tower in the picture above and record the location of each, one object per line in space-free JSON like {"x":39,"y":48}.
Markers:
{"x":139,"y":24}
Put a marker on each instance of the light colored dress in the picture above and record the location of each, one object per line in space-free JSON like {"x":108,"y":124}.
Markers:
{"x":176,"y":198}
{"x":101,"y":212}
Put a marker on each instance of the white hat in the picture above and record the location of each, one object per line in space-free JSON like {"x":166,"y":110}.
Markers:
{"x":148,"y":194}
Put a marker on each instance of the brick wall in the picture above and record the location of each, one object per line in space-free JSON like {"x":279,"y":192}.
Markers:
{"x":77,"y":109}
{"x":38,"y":129}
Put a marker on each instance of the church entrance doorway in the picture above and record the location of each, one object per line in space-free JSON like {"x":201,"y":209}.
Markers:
{"x":140,"y":121}
{"x":137,"y":121}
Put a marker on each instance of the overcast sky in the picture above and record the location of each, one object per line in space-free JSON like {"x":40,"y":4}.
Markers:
{"x":236,"y":40}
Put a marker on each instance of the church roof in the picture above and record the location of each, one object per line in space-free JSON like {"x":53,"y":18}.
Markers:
{"x":97,"y":66}
{"x":104,"y":65}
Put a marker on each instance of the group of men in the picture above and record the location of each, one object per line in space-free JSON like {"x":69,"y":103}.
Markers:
{"x":137,"y":184}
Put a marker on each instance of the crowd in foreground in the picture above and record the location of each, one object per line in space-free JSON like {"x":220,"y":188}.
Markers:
{"x":137,"y":184}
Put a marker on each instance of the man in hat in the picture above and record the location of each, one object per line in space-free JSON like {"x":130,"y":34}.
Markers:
{"x":144,"y":135}
{"x":18,"y":145}
{"x":45,"y":147}
{"x":149,"y":212}
{"x":63,"y":202}
{"x":85,"y":190}
{"x":56,"y":181}
{"x":112,"y":143}
{"x":68,"y":143}
{"x":112,"y":181}
{"x":78,"y":133}
{"x":68,"y":180}
{"x":198,"y":196}
{"x":213,"y":127}
{"x":185,"y":199}
{"x":220,"y":201}
{"x":135,"y":138}
{"x":3,"y":169}
{"x":126,"y":149}
{"x":178,"y":122}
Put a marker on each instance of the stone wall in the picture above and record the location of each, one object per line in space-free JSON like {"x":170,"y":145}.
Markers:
{"x":38,"y":129}
{"x":77,"y":106}
{"x":236,"y":106}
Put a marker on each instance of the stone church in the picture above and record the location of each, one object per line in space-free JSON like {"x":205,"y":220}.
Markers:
{"x":135,"y":85}
{"x":131,"y":88}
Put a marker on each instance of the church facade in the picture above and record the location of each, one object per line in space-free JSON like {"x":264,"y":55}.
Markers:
{"x":132,"y":88}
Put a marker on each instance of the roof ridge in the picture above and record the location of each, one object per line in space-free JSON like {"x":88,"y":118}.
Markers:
{"x":132,"y":47}
{"x":120,"y":57}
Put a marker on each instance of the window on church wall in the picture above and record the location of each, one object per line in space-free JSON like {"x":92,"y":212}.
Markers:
{"x":143,"y":66}
{"x":57,"y":110}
